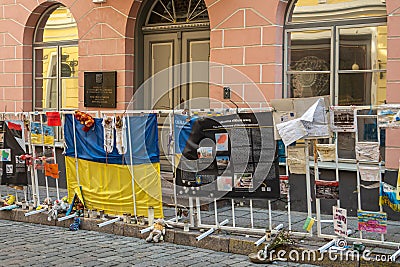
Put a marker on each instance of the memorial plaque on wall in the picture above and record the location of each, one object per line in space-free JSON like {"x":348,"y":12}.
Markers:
{"x":232,"y":156}
{"x":100,"y":89}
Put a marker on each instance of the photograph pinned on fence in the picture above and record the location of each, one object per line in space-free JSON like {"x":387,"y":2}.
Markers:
{"x":343,"y":119}
{"x":372,"y":222}
{"x":340,"y":221}
{"x":326,"y":189}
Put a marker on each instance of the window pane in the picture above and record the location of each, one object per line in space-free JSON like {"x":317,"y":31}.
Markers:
{"x":69,"y":61}
{"x":346,"y":145}
{"x":310,"y":50}
{"x":309,"y":84}
{"x":46,"y":62}
{"x":362,"y":88}
{"x":69,"y":93}
{"x":60,"y":25}
{"x":363,"y":48}
{"x":46,"y":93}
{"x":327,"y":10}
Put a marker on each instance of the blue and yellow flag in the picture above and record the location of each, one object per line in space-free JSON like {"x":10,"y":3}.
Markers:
{"x":106,"y":178}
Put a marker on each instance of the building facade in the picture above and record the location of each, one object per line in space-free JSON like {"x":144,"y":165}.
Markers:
{"x":347,"y":49}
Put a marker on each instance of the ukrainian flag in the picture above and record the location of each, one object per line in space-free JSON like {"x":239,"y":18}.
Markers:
{"x":106,"y":179}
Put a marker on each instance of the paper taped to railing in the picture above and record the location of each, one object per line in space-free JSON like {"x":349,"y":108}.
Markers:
{"x":369,"y":173}
{"x":297,"y":159}
{"x":326,"y":152}
{"x":313,"y":123}
{"x":367,"y":151}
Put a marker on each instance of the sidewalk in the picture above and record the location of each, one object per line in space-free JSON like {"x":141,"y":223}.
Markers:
{"x":260,"y":221}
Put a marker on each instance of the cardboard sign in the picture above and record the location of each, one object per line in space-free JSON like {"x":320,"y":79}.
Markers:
{"x":373,"y":222}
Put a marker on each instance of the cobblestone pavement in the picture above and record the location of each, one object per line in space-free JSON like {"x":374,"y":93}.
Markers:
{"x":23,"y":244}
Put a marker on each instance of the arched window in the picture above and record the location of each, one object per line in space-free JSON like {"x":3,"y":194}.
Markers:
{"x":56,"y":61}
{"x":177,"y":11}
{"x":337,"y":48}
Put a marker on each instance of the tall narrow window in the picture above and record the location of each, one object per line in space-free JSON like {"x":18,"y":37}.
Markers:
{"x":56,"y":61}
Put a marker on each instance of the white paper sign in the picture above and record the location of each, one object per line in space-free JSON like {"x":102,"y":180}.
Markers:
{"x":340,"y":221}
{"x":313,"y":123}
{"x":367,"y":151}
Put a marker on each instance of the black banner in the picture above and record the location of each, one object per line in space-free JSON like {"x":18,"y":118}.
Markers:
{"x":14,"y":171}
{"x":233,"y":156}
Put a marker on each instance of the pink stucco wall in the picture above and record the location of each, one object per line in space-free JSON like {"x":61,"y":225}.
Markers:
{"x":245,"y":36}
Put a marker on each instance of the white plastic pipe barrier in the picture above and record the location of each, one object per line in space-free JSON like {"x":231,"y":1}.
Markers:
{"x":263,"y":239}
{"x":331,"y":243}
{"x":209,"y":232}
{"x":395,"y":255}
{"x":66,"y":217}
{"x":9,"y":207}
{"x":35,"y":212}
{"x":109,"y":222}
{"x":327,"y":246}
{"x":148,"y":229}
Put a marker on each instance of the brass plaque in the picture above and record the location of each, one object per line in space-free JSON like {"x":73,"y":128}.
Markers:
{"x":100,"y":89}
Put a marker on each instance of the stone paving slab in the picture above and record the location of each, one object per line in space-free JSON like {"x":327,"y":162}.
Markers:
{"x":24,"y":244}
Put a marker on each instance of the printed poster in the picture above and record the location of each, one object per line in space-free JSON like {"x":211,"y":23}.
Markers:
{"x":238,"y":148}
{"x":367,"y":151}
{"x":296,"y":159}
{"x":326,"y":152}
{"x":14,"y":172}
{"x":369,"y":173}
{"x":342,"y":119}
{"x":17,"y":129}
{"x":221,"y":140}
{"x":371,"y":221}
{"x":284,"y":183}
{"x":340,"y":221}
{"x":326,"y":189}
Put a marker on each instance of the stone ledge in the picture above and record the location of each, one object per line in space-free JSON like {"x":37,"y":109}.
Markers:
{"x":217,"y":241}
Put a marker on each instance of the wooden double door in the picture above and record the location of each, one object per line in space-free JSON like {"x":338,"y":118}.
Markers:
{"x":172,"y":70}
